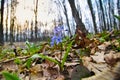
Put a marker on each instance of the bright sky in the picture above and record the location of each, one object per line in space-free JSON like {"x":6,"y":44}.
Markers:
{"x":26,"y":12}
{"x":48,"y":11}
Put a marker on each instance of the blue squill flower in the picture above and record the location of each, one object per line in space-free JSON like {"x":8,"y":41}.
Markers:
{"x":57,"y":37}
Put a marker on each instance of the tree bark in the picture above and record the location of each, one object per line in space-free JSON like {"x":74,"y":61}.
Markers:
{"x":12,"y":20}
{"x":67,"y":20}
{"x":118,"y":7}
{"x":79,"y":23}
{"x":1,"y":24}
{"x":31,"y":30}
{"x":93,"y":15}
{"x":35,"y":12}
{"x":7,"y":21}
{"x":103,"y":16}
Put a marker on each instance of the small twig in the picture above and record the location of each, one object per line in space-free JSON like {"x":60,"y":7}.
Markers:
{"x":6,"y":61}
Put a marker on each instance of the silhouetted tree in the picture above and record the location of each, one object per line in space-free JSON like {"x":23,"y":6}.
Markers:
{"x":1,"y":24}
{"x":118,"y":7}
{"x":12,"y":19}
{"x":67,"y":20}
{"x":102,"y":15}
{"x":35,"y":12}
{"x":31,"y":30}
{"x":77,"y":19}
{"x":93,"y":15}
{"x":6,"y":37}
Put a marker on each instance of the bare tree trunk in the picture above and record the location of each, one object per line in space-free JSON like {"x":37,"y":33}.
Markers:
{"x":107,"y":18}
{"x":93,"y":15}
{"x":113,"y":13}
{"x":77,"y":19}
{"x":110,"y":13}
{"x":7,"y":22}
{"x":62,"y":4}
{"x":31,"y":30}
{"x":35,"y":12}
{"x":99,"y":16}
{"x":103,"y":16}
{"x":1,"y":24}
{"x":12,"y":20}
{"x":18,"y":33}
{"x":118,"y":7}
{"x":65,"y":12}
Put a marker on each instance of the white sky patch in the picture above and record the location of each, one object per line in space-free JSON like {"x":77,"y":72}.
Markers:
{"x":48,"y":11}
{"x":25,"y":11}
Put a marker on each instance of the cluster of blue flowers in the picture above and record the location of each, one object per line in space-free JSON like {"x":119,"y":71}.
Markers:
{"x":57,"y":36}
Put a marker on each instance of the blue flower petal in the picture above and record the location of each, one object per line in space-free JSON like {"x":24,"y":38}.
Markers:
{"x":57,"y":37}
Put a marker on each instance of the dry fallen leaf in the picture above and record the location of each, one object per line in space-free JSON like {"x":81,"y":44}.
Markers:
{"x":93,"y":50}
{"x":104,"y":45}
{"x":60,"y":77}
{"x":110,"y":58}
{"x":98,"y":57}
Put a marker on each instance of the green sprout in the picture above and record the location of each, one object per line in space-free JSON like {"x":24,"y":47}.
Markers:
{"x":59,"y":63}
{"x":32,"y":48}
{"x":10,"y":76}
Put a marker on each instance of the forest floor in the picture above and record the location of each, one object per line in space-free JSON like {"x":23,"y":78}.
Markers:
{"x":73,"y":59}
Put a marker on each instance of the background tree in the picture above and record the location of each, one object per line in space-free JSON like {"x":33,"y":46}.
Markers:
{"x":1,"y":24}
{"x":31,"y":29}
{"x":77,"y":19}
{"x":35,"y":12}
{"x":66,"y":15}
{"x":118,"y":8}
{"x":102,"y":15}
{"x":12,"y":19}
{"x":93,"y":15}
{"x":6,"y":34}
{"x":62,"y":4}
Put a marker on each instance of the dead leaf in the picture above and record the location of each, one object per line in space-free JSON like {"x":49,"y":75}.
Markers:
{"x":93,"y":50}
{"x":104,"y":45}
{"x":110,"y":58}
{"x":85,"y":58}
{"x":98,"y":57}
{"x":60,"y":77}
{"x":81,"y":40}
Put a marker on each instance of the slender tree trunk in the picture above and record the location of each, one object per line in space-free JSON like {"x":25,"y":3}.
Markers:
{"x":107,"y":18}
{"x":113,"y":13}
{"x":93,"y":15}
{"x":11,"y":22}
{"x":77,"y":19}
{"x":110,"y":13}
{"x":103,"y":16}
{"x":31,"y":29}
{"x":7,"y":22}
{"x":118,"y":7}
{"x":99,"y":16}
{"x":35,"y":12}
{"x":1,"y":24}
{"x":18,"y":33}
{"x":65,"y":12}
